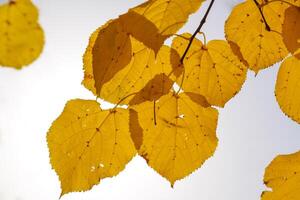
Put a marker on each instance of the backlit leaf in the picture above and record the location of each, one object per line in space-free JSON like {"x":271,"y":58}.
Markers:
{"x":155,"y":88}
{"x":88,"y":144}
{"x":108,"y":52}
{"x":283,"y":177}
{"x":213,"y":71}
{"x":291,"y":29}
{"x":183,"y":138}
{"x":160,"y":19}
{"x":120,"y":74}
{"x":21,"y":37}
{"x":288,"y":88}
{"x":245,"y":27}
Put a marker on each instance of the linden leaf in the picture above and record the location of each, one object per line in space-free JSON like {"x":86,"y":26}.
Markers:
{"x":155,"y":88}
{"x":291,"y":29}
{"x":21,"y":37}
{"x":213,"y":71}
{"x":116,"y":78}
{"x":156,"y":20}
{"x":283,"y":177}
{"x":246,"y":28}
{"x":183,"y":138}
{"x":108,"y":52}
{"x":88,"y":144}
{"x":288,"y":88}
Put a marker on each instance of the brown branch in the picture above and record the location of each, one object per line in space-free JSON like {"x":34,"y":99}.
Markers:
{"x":197,"y":30}
{"x":262,"y":14}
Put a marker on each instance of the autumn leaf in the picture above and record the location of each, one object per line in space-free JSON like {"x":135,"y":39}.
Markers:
{"x":108,"y":52}
{"x":155,"y":88}
{"x":245,"y":27}
{"x":288,"y":88}
{"x":160,"y":19}
{"x":213,"y":71}
{"x":21,"y":36}
{"x":283,"y":177}
{"x":119,"y":74}
{"x":291,"y":29}
{"x":88,"y":144}
{"x":183,"y":138}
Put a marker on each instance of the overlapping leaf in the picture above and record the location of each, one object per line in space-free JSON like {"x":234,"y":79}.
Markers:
{"x":288,"y":88}
{"x":160,"y":19}
{"x":245,"y":27}
{"x":283,"y":177}
{"x":88,"y":144}
{"x":118,"y":65}
{"x":213,"y":71}
{"x":182,"y":139}
{"x":155,"y":88}
{"x":291,"y":29}
{"x":21,"y":37}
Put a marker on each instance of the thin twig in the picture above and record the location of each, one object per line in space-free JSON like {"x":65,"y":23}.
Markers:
{"x":262,"y":14}
{"x":197,"y":30}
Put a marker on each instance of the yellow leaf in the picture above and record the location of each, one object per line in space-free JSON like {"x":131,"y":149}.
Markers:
{"x":21,"y":37}
{"x":245,"y":27}
{"x":183,"y":138}
{"x":213,"y":71}
{"x":160,"y":19}
{"x":288,"y":88}
{"x":118,"y":65}
{"x":155,"y":88}
{"x":108,"y":52}
{"x":142,"y":68}
{"x":283,"y":177}
{"x":88,"y":144}
{"x":291,"y":29}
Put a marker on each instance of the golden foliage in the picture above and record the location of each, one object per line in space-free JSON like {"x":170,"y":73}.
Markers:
{"x":245,"y":27}
{"x":88,"y":144}
{"x":21,"y":36}
{"x":127,"y":63}
{"x":181,"y":139}
{"x":160,"y":19}
{"x":283,"y":176}
{"x":119,"y":74}
{"x":291,"y":29}
{"x":288,"y":88}
{"x":212,"y":70}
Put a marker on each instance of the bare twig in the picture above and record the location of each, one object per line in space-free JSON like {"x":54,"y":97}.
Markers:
{"x":197,"y":30}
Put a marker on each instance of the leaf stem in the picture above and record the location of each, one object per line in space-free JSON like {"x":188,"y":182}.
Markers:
{"x":124,"y":98}
{"x":197,"y":30}
{"x":262,"y":14}
{"x":154,"y":112}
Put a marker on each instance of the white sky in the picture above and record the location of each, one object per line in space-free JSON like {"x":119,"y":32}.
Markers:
{"x":252,"y":130}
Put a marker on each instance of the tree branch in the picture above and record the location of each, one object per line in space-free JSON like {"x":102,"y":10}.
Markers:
{"x":262,"y":14}
{"x":197,"y":30}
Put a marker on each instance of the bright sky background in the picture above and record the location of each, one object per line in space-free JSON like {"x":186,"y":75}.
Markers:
{"x":252,"y":130}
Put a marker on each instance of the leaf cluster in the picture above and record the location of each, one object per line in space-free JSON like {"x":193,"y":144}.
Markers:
{"x":171,"y":93}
